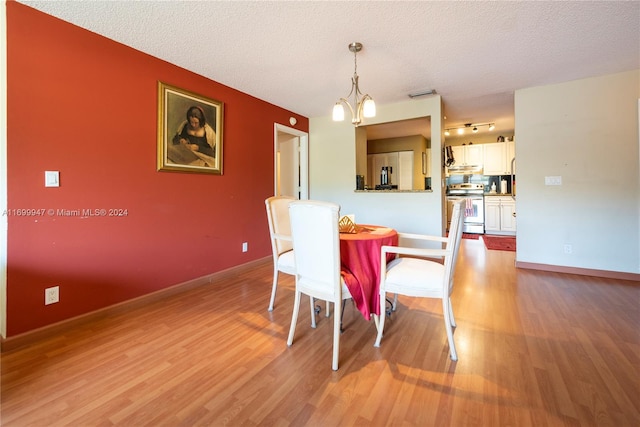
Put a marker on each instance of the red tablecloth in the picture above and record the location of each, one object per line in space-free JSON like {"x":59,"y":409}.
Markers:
{"x":360,"y":259}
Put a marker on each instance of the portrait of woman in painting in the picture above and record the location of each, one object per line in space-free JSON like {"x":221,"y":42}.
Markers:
{"x":189,"y":131}
{"x":194,"y":142}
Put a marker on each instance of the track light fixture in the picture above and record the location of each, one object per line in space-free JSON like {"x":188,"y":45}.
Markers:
{"x":460,"y":130}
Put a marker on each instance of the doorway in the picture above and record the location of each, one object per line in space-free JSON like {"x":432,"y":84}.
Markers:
{"x":291,"y":162}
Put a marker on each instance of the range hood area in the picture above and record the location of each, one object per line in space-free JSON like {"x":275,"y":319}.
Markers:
{"x":465,"y":170}
{"x":456,"y":164}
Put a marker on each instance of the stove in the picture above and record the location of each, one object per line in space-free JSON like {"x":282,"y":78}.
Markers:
{"x":466,"y":188}
{"x":473,"y":193}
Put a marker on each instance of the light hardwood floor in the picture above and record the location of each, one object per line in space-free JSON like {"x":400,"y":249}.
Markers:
{"x":535,"y":349}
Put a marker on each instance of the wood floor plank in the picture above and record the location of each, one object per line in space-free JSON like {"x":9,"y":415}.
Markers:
{"x":535,"y":348}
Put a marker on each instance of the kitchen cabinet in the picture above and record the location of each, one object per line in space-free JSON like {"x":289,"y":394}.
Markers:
{"x":499,"y":215}
{"x":468,"y":155}
{"x":497,"y":158}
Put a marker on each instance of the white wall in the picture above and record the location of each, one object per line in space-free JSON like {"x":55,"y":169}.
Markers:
{"x":585,"y":131}
{"x":332,"y":171}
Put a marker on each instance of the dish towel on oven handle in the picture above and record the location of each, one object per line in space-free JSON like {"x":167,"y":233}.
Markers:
{"x":468,"y":210}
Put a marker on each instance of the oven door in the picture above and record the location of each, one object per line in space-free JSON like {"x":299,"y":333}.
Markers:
{"x":473,"y":221}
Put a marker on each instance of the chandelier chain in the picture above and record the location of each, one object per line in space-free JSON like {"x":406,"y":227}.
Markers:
{"x":355,"y":62}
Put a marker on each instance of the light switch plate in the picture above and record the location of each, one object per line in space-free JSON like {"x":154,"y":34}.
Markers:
{"x":552,"y":180}
{"x":51,"y":179}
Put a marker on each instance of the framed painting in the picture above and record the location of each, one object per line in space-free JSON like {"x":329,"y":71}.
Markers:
{"x":189,"y":131}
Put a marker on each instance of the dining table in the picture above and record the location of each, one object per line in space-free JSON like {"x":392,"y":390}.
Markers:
{"x":360,"y":264}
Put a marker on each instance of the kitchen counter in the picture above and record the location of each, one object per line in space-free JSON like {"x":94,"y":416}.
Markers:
{"x":393,"y":191}
{"x":497,"y":194}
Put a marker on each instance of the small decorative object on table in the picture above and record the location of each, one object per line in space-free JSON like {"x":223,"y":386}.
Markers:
{"x":346,"y":225}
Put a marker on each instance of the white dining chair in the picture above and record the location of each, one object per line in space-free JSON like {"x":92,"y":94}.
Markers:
{"x":316,"y":243}
{"x":416,"y":276}
{"x":281,"y":242}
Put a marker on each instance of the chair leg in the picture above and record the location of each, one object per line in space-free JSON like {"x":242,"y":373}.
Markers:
{"x":376,"y":321}
{"x":313,"y":312}
{"x":381,"y":318}
{"x":294,"y":317}
{"x":327,"y":308}
{"x":336,"y":335}
{"x":273,"y":288}
{"x":446,"y":305}
{"x":395,"y":303}
{"x":451,"y":318}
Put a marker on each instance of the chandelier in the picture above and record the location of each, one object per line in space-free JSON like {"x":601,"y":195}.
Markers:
{"x":363,"y":105}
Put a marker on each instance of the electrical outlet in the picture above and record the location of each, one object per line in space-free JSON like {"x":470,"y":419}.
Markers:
{"x":52,"y":295}
{"x":245,"y":246}
{"x":568,"y":249}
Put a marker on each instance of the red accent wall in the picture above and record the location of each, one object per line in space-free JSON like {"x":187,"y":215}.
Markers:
{"x":86,"y":106}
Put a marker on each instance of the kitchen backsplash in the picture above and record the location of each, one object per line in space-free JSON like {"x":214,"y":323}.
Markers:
{"x":487,"y":180}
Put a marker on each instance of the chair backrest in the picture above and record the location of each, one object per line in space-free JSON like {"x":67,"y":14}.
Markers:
{"x":278,"y":217}
{"x":453,"y":242}
{"x":316,"y":243}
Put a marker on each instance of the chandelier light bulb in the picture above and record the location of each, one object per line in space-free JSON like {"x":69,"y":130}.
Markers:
{"x":461,"y":131}
{"x":369,"y":109}
{"x":446,"y":132}
{"x":338,"y":112}
{"x":475,"y":129}
{"x":492,"y":126}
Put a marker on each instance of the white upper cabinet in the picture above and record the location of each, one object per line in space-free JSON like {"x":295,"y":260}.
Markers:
{"x":468,"y":155}
{"x":497,"y":158}
{"x":474,"y":155}
{"x":458,"y":154}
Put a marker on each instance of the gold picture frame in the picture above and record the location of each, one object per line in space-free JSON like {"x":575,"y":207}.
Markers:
{"x":185,"y":144}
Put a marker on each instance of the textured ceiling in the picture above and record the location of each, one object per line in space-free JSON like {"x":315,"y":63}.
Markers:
{"x":295,"y":54}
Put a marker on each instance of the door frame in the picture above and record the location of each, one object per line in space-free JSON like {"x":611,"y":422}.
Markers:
{"x":4,"y":219}
{"x":303,"y":140}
